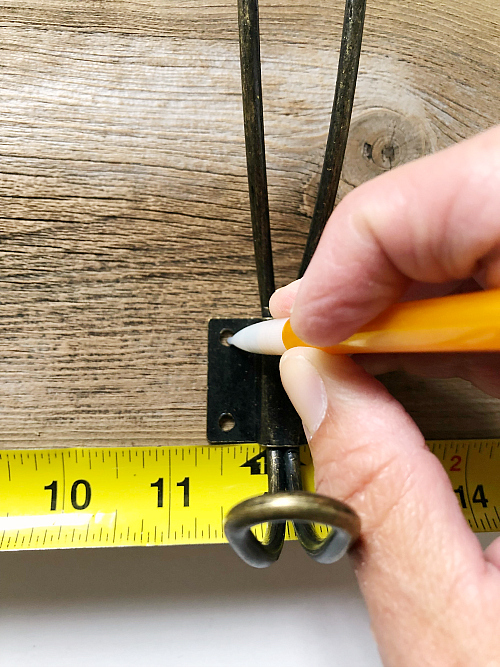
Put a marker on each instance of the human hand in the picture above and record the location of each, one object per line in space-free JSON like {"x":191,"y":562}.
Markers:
{"x":427,"y":228}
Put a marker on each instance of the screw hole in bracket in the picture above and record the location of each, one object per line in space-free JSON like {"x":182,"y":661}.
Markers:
{"x":226,"y":422}
{"x":224,"y":335}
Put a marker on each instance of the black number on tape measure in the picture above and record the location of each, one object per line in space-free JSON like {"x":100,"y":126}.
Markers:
{"x":53,"y":494}
{"x":255,"y":464}
{"x":479,"y":496}
{"x":159,"y":485}
{"x":185,"y":484}
{"x":74,"y":491}
{"x":461,"y":495}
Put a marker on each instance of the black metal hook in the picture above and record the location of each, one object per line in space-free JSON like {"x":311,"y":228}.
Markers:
{"x":280,"y":432}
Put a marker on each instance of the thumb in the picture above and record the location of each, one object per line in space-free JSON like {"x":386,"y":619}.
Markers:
{"x":417,"y":561}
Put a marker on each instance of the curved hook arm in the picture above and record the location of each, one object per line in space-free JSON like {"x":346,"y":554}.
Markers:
{"x":301,"y":508}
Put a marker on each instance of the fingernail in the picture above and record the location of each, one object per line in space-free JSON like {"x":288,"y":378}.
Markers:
{"x":306,"y":390}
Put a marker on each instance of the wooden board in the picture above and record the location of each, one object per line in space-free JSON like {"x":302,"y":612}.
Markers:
{"x":124,"y":210}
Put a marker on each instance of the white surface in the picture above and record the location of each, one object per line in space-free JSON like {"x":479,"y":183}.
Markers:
{"x":189,"y":606}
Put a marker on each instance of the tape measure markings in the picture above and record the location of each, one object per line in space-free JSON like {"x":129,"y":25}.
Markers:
{"x":102,"y":496}
{"x":474,"y":470}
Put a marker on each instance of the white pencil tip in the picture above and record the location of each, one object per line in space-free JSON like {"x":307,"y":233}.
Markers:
{"x":261,"y":338}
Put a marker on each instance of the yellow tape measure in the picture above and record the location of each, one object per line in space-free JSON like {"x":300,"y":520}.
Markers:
{"x":95,"y":497}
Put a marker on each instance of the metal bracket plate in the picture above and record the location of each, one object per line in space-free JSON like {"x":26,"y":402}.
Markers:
{"x":246,"y":401}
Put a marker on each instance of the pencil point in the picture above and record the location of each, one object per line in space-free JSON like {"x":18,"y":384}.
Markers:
{"x":261,"y":338}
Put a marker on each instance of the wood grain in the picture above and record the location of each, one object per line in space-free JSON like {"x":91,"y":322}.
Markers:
{"x":124,"y":211}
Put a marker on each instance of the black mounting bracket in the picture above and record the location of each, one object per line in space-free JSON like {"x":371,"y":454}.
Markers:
{"x":246,"y":401}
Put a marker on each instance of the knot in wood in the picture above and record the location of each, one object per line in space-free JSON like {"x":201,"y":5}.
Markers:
{"x":379,"y":140}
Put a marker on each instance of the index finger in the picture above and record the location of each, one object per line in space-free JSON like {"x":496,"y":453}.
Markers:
{"x":434,"y":220}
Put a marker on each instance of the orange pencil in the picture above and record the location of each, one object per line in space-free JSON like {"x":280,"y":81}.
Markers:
{"x":457,"y":323}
